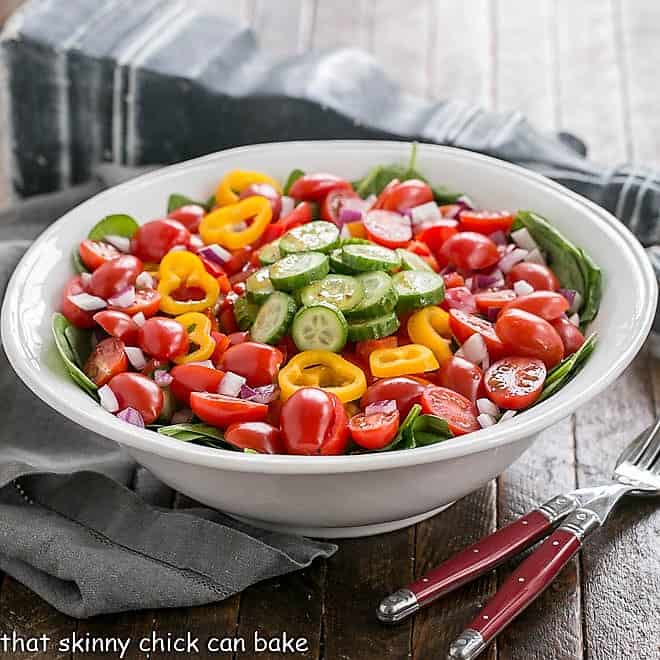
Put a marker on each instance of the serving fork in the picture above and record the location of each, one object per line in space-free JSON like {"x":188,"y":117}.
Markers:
{"x":580,"y":513}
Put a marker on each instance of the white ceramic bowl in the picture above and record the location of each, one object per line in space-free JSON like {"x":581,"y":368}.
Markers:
{"x":344,"y":495}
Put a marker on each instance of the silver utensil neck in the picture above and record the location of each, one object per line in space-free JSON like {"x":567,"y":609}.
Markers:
{"x":556,"y":508}
{"x":469,"y":644}
{"x":397,"y":606}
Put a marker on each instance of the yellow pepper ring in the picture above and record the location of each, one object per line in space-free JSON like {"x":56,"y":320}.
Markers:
{"x":219,"y":226}
{"x":237,"y":181}
{"x":401,"y":361}
{"x":323,"y":369}
{"x":198,"y":327}
{"x":430,"y":327}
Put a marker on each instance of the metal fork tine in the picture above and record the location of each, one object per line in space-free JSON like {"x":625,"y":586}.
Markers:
{"x":645,"y":454}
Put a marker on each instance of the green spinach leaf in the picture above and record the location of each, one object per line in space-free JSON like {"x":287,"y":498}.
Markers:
{"x":404,"y":439}
{"x":291,"y":179}
{"x":176,"y":201}
{"x":192,"y":432}
{"x":78,"y":264}
{"x":59,"y":327}
{"x":119,"y":224}
{"x":429,"y":429}
{"x":80,"y":343}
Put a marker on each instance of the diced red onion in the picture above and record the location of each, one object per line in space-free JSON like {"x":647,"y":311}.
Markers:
{"x":498,"y":237}
{"x":162,"y":378}
{"x":135,"y":357}
{"x":131,"y":416}
{"x":486,"y":420}
{"x":263,"y":394}
{"x":108,"y":399}
{"x":352,"y":209}
{"x":469,"y":282}
{"x":574,"y":299}
{"x":124,"y":298}
{"x":178,"y":248}
{"x":510,"y":259}
{"x":522,"y":288}
{"x":535,"y":257}
{"x":203,"y":363}
{"x":139,"y":319}
{"x":231,"y":384}
{"x":183,"y":416}
{"x":385,"y":407}
{"x":523,"y":239}
{"x":488,"y":407}
{"x":465,"y":202}
{"x":349,"y":215}
{"x":145,"y":281}
{"x":474,"y":349}
{"x":247,"y":392}
{"x":85,"y":279}
{"x":451,"y":213}
{"x":87,"y":302}
{"x":424,"y":213}
{"x":215,"y":253}
{"x":507,"y":415}
{"x":122,"y":243}
{"x":575,"y":319}
{"x":288,"y":204}
{"x":488,"y":281}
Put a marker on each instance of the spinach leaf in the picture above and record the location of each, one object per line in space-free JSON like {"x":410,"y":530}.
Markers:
{"x":78,"y":264}
{"x":59,"y":327}
{"x":291,"y":179}
{"x":566,"y":370}
{"x":80,"y":343}
{"x":210,"y":202}
{"x":429,"y":429}
{"x":192,"y":432}
{"x":404,"y":439}
{"x":176,"y":201}
{"x":113,"y":225}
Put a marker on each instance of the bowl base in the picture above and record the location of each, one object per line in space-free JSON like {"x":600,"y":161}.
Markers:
{"x":344,"y":532}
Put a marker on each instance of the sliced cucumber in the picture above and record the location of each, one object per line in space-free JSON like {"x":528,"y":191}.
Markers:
{"x":417,"y":288}
{"x":269,"y":253}
{"x":354,"y":240}
{"x":297,"y":270}
{"x":273,"y":318}
{"x":379,"y":296}
{"x":338,"y":265}
{"x":318,"y":236}
{"x":377,"y":328}
{"x":367,"y":257}
{"x":342,"y":291}
{"x":412,"y":261}
{"x":258,"y":286}
{"x":319,"y":327}
{"x":245,"y":313}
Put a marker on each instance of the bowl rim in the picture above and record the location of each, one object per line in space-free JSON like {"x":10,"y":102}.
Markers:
{"x":545,"y":414}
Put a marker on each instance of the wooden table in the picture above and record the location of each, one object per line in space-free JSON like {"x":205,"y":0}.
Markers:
{"x":589,"y":67}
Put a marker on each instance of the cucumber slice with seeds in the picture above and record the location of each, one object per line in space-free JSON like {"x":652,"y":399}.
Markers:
{"x":379,"y":296}
{"x":320,"y":327}
{"x":258,"y":286}
{"x":338,"y":265}
{"x":363,"y":257}
{"x":273,"y":318}
{"x":297,"y":270}
{"x":245,"y":313}
{"x":412,"y":261}
{"x":377,"y":328}
{"x":417,"y":288}
{"x":269,"y":253}
{"x":341,"y":291}
{"x":318,"y":236}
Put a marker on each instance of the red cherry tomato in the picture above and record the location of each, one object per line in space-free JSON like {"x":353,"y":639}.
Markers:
{"x":515,"y":382}
{"x":546,"y":304}
{"x":238,"y":259}
{"x":258,"y":436}
{"x":526,"y":335}
{"x":460,"y":297}
{"x":300,"y":215}
{"x":223,"y":411}
{"x":288,"y":348}
{"x":453,"y":280}
{"x":163,"y":338}
{"x":238,"y":338}
{"x":314,"y":422}
{"x":153,"y":365}
{"x":387,"y":228}
{"x":493,"y":299}
{"x":406,"y":195}
{"x":314,"y":187}
{"x":363,"y":349}
{"x":464,"y":325}
{"x":96,"y":253}
{"x":461,"y":376}
{"x":485,"y":222}
{"x":468,"y":250}
{"x":460,"y":413}
{"x":362,"y":364}
{"x":539,"y":277}
{"x":146,"y":301}
{"x":120,"y":325}
{"x":333,"y":204}
{"x":79,"y":317}
{"x":138,"y":392}
{"x":570,"y":335}
{"x":221,"y":345}
{"x":437,"y":235}
{"x":402,"y":389}
{"x":385,"y":192}
{"x":193,"y":378}
{"x":258,"y":363}
{"x":267,"y":191}
{"x":212,"y":267}
{"x":189,"y":216}
{"x":114,"y":276}
{"x":374,"y":431}
{"x":153,"y":240}
{"x":106,"y":360}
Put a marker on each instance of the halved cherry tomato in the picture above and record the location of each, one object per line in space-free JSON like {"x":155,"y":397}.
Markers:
{"x":106,"y":360}
{"x":146,"y":301}
{"x":238,"y":259}
{"x":267,"y":191}
{"x":362,"y":364}
{"x":220,"y":410}
{"x":153,"y":240}
{"x":258,"y":363}
{"x":228,"y":321}
{"x":257,"y":436}
{"x":459,"y":412}
{"x":515,"y":382}
{"x":437,"y":235}
{"x":526,"y":335}
{"x":300,"y":215}
{"x":570,"y":335}
{"x":387,"y":228}
{"x":314,"y":187}
{"x":115,"y":276}
{"x":485,"y":222}
{"x":189,"y":216}
{"x":238,"y":338}
{"x":212,"y":267}
{"x":546,"y":304}
{"x":374,"y":431}
{"x":464,"y":325}
{"x":462,"y":376}
{"x":96,"y":253}
{"x":221,"y":345}
{"x":119,"y":324}
{"x":538,"y":276}
{"x":453,"y":280}
{"x":493,"y":299}
{"x":402,"y":389}
{"x":406,"y":195}
{"x":459,"y":297}
{"x":468,"y":250}
{"x":424,"y":251}
{"x":163,"y":338}
{"x":194,"y":378}
{"x":288,"y":348}
{"x":385,"y":192}
{"x":139,"y":392}
{"x":333,"y":203}
{"x":79,"y":317}
{"x":363,"y":349}
{"x":314,"y":422}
